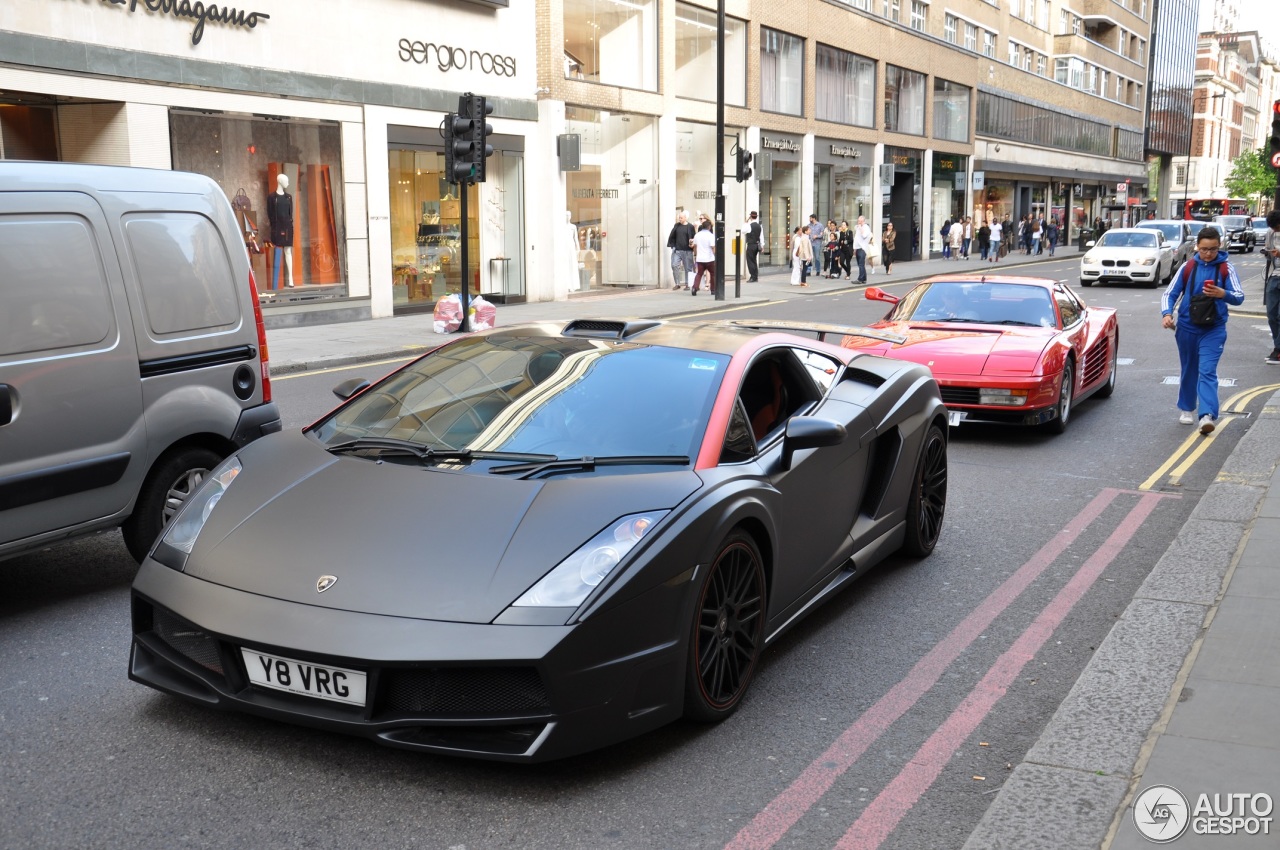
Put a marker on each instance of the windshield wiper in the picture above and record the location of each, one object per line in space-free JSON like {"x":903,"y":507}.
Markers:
{"x":1017,"y":322}
{"x":586,"y":464}
{"x":392,"y":445}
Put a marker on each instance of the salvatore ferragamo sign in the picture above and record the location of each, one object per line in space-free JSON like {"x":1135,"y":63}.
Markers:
{"x":198,"y":11}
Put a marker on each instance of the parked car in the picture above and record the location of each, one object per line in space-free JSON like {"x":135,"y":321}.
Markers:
{"x":1181,"y":235}
{"x":133,"y":357}
{"x":1125,"y":255}
{"x":1240,"y":235}
{"x":563,"y":536}
{"x":1016,"y":350}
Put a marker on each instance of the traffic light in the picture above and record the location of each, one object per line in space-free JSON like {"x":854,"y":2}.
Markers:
{"x":744,"y":165}
{"x":1274,"y":152}
{"x":472,"y":109}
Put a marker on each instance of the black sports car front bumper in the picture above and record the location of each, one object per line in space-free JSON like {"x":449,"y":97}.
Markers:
{"x":510,"y":693}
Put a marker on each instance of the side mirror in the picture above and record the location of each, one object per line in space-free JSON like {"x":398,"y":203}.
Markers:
{"x":810,"y":432}
{"x":1090,"y":244}
{"x":348,"y":388}
{"x":875,"y":293}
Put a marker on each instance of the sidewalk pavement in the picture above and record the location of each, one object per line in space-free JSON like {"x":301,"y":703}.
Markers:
{"x":305,"y":347}
{"x":1184,"y":691}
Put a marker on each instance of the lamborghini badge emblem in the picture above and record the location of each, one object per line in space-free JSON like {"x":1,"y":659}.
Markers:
{"x":325,"y":582}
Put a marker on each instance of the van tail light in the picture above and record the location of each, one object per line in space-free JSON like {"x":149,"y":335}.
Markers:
{"x":262,"y":340}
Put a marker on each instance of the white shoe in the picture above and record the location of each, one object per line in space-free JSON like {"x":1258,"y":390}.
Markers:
{"x":1186,"y":417}
{"x":1206,"y":424}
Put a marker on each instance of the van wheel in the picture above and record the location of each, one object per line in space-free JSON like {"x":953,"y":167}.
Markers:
{"x":168,"y":486}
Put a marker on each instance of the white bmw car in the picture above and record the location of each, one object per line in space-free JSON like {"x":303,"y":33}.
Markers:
{"x":1128,"y":255}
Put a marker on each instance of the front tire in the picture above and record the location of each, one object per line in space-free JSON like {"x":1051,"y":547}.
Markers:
{"x":928,"y":502}
{"x":1066,"y":395}
{"x":727,"y":631}
{"x":167,"y":487}
{"x":1086,"y":281}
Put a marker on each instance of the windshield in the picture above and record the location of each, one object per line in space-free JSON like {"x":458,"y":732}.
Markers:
{"x":1232,"y":220}
{"x":1127,"y":239}
{"x":541,"y":395}
{"x":1172,"y":232}
{"x":982,"y":303}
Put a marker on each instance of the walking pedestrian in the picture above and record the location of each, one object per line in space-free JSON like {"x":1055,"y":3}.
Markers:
{"x":1199,"y":295}
{"x":968,"y":237}
{"x":945,"y":233}
{"x":801,"y":256}
{"x":888,"y":241}
{"x":680,"y":241}
{"x":861,"y":242}
{"x":815,"y":244}
{"x":1036,"y":235}
{"x":845,"y":242}
{"x":997,"y":237}
{"x":1271,"y":289}
{"x":1051,"y":234}
{"x":957,"y":240}
{"x":751,"y":236}
{"x":984,"y":240}
{"x":831,"y":250}
{"x":704,"y":246}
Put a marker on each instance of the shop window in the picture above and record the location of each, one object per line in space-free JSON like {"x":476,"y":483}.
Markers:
{"x":696,"y":56}
{"x":246,"y":156}
{"x":845,"y":87}
{"x":781,"y":72}
{"x":613,"y":42}
{"x":28,"y":132}
{"x":904,"y":100}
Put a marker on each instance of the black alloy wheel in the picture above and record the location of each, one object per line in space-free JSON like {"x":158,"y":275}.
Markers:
{"x":728,"y":631}
{"x":928,"y":501}
{"x":1058,"y":424}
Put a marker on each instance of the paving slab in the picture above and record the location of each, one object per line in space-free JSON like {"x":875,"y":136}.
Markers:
{"x":1081,"y":810}
{"x":1243,"y":644}
{"x":1230,"y":712}
{"x":1191,"y":570}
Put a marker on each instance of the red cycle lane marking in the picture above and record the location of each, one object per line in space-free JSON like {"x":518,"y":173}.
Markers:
{"x":783,"y":811}
{"x":885,"y":812}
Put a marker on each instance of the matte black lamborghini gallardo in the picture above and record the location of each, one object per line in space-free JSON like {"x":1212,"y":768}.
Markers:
{"x":538,"y":540}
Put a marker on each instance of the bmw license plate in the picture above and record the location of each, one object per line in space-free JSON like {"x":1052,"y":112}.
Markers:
{"x":955,"y":417}
{"x":299,"y":677}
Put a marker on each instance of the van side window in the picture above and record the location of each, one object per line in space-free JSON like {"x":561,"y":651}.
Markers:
{"x":53,"y":290}
{"x":184,"y":272}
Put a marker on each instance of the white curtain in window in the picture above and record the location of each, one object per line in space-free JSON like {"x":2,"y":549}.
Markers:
{"x":781,"y":72}
{"x":845,"y":87}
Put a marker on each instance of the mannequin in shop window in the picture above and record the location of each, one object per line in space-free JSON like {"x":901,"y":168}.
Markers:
{"x":280,"y":218}
{"x":581,"y":281}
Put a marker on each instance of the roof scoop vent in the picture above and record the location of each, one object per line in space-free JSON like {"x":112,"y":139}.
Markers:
{"x":608,"y":328}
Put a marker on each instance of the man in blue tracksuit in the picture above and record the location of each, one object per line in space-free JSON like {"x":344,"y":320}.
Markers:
{"x":1200,"y":345}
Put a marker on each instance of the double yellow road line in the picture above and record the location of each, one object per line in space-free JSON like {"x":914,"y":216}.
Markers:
{"x":1194,"y":446}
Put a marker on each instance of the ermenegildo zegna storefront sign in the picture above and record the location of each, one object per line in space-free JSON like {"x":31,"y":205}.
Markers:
{"x":199,"y":11}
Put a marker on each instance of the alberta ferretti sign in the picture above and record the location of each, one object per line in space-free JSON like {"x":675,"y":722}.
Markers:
{"x":197,"y":11}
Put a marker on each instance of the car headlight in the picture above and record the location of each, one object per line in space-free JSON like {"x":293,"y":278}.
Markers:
{"x":577,"y":575}
{"x":1145,"y":261}
{"x":1088,"y":260}
{"x":185,"y":528}
{"x":1001,"y":395}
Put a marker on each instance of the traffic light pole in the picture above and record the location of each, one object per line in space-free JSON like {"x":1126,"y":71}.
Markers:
{"x":465,"y":327}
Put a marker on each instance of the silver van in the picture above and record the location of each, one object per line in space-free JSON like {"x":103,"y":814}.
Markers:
{"x":133,"y":357}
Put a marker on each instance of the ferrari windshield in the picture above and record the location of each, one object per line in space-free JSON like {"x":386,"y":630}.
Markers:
{"x":977,"y":302}
{"x":540,"y":395}
{"x":1127,"y":239}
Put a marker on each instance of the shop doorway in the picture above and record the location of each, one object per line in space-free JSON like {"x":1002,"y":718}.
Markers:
{"x":901,"y":203}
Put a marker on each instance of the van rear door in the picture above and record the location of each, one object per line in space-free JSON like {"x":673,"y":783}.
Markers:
{"x":73,"y":445}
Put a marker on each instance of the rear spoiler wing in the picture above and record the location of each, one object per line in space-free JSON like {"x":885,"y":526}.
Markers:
{"x":822,"y":329}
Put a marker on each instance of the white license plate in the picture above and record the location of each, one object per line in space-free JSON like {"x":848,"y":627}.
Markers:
{"x":955,"y":417}
{"x":299,"y":677}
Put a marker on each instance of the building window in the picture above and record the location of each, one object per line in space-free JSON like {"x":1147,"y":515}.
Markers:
{"x":1013,"y":54}
{"x":696,"y":55}
{"x":1043,"y":23}
{"x":845,"y":87}
{"x":989,"y":44}
{"x":1015,"y":8}
{"x":904,"y":95}
{"x":1041,"y":62}
{"x":781,"y":72}
{"x":1027,"y":55}
{"x":970,"y":37}
{"x":612,"y":43}
{"x":919,"y":11}
{"x":950,"y":111}
{"x":949,"y":28}
{"x":893,"y":10}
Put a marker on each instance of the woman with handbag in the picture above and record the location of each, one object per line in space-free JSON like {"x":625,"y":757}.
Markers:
{"x":1199,"y":294}
{"x":888,"y":240}
{"x":801,"y":256}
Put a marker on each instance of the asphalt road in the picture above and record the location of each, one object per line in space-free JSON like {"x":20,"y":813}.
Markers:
{"x":887,"y":719}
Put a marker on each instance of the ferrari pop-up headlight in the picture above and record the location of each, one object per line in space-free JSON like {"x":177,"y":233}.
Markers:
{"x":186,"y":526}
{"x":577,"y":575}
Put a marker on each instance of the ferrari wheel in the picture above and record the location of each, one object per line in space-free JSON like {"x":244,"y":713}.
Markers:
{"x":1058,"y":424}
{"x":728,"y":631}
{"x":928,"y":496}
{"x":1109,"y":387}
